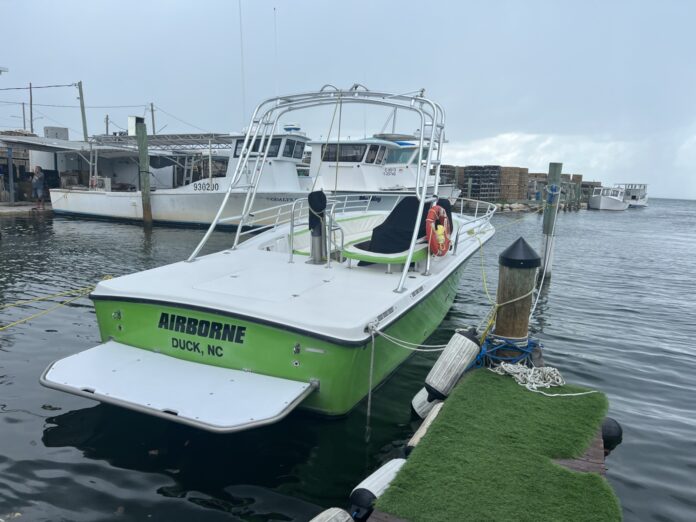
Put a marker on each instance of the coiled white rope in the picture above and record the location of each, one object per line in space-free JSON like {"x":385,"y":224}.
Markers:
{"x":536,"y":377}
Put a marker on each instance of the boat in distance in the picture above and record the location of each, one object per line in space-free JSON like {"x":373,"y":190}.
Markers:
{"x":635,"y":194}
{"x":607,"y":198}
{"x":301,"y":311}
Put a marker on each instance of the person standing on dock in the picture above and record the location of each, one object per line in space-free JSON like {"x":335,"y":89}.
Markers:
{"x":37,"y":187}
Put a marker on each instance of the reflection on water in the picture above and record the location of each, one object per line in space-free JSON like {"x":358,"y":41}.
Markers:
{"x":617,"y":315}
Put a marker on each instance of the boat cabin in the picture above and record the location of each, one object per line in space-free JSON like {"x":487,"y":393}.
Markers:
{"x":380,"y":163}
{"x":285,"y":169}
{"x":611,"y":192}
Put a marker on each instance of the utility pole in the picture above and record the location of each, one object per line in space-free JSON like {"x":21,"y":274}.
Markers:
{"x":31,"y":109}
{"x":24,"y":117}
{"x":152,"y":114}
{"x":144,"y":167}
{"x":106,"y":121}
{"x":82,"y":110}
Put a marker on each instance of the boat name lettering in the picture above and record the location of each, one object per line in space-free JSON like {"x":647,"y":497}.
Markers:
{"x":204,"y":185}
{"x":417,"y":291}
{"x":390,"y":171}
{"x":385,"y":313}
{"x":202,"y":328}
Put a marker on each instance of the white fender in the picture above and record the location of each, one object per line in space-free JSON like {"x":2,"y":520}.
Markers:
{"x":421,"y":405}
{"x":459,"y":353}
{"x":364,"y":494}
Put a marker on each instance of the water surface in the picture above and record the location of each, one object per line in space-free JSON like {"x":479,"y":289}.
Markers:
{"x":618,"y":315}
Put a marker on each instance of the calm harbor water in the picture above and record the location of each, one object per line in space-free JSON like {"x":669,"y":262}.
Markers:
{"x":619,"y":315}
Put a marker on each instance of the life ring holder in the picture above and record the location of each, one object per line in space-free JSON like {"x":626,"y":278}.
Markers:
{"x":438,"y":240}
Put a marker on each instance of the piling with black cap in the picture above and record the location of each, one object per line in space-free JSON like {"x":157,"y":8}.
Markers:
{"x":517,"y":268}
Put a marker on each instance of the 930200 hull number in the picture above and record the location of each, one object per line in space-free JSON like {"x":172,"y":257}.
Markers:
{"x":206,"y":186}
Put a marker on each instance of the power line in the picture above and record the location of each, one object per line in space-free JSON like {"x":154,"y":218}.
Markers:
{"x":36,"y":87}
{"x":77,"y":106}
{"x":58,"y":122}
{"x":179,"y":119}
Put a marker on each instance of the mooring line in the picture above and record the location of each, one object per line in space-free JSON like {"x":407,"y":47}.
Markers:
{"x":81,"y":293}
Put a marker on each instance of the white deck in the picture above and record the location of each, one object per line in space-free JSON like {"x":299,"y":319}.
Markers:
{"x":208,"y":397}
{"x":337,"y":302}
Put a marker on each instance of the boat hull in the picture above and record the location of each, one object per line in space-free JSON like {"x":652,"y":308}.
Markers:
{"x":341,"y":368}
{"x":606,"y":203}
{"x":192,"y":208}
{"x":187,"y":207}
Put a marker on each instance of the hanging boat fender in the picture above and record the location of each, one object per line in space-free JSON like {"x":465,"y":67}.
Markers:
{"x":437,"y":230}
{"x":364,"y":494}
{"x":421,"y":405}
{"x":333,"y":515}
{"x":461,"y":351}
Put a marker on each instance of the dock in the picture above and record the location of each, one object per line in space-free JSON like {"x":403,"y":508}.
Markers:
{"x":22,"y":208}
{"x":498,"y":451}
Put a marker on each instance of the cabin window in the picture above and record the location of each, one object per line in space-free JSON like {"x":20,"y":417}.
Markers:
{"x":272,"y":151}
{"x":423,"y":157}
{"x":400,"y":156}
{"x":274,"y":148}
{"x":289,"y":146}
{"x":380,"y":155}
{"x":293,"y":149}
{"x":371,"y":154}
{"x":349,"y":153}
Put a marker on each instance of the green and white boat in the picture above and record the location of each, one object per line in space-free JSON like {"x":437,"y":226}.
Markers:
{"x":289,"y":315}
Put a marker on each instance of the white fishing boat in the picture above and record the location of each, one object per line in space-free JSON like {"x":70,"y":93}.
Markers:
{"x":635,"y":194}
{"x":113,"y":193}
{"x":607,"y":198}
{"x":384,"y":166}
{"x":314,"y":308}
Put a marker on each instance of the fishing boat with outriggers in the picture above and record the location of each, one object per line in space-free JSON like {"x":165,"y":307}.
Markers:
{"x":314,"y":308}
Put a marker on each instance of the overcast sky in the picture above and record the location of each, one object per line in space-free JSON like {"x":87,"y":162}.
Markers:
{"x":606,"y":87}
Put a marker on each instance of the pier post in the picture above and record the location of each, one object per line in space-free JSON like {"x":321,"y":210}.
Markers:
{"x":10,"y":177}
{"x":550,"y":213}
{"x":518,"y":264}
{"x":144,"y":167}
{"x":82,"y":111}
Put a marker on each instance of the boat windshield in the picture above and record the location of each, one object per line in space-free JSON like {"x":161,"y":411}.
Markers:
{"x":401,"y":156}
{"x":293,"y":149}
{"x":272,"y":151}
{"x":349,"y":153}
{"x":424,"y":156}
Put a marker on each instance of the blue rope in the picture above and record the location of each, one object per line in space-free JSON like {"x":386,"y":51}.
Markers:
{"x":490,"y":347}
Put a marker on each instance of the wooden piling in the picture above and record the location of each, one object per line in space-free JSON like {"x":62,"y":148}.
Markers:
{"x":517,"y":269}
{"x":144,"y":167}
{"x":550,"y":212}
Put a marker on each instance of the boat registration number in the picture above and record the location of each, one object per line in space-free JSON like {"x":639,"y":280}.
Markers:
{"x":206,"y":186}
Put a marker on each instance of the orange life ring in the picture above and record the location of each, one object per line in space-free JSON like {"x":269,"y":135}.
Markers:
{"x":437,"y":230}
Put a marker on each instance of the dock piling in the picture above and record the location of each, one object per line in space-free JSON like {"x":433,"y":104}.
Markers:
{"x":144,"y":167}
{"x":550,"y":213}
{"x":10,"y":174}
{"x":517,"y":269}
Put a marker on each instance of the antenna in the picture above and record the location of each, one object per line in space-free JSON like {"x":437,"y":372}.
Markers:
{"x":241,"y":61}
{"x":275,"y":42}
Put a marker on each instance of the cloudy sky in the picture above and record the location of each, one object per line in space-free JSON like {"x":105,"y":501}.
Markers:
{"x":606,"y":87}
